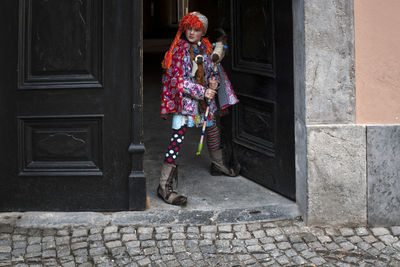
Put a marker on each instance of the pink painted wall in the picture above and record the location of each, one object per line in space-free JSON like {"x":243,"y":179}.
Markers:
{"x":377,"y":51}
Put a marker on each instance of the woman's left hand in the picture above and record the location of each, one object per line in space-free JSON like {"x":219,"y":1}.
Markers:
{"x":210,"y":93}
{"x":213,"y":84}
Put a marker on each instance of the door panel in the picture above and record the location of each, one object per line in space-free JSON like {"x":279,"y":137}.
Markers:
{"x":253,"y":37}
{"x":260,"y":67}
{"x":60,"y":146}
{"x":68,"y":92}
{"x":60,"y":44}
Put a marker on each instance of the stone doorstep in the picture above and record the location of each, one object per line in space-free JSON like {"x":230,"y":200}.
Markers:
{"x":152,"y":217}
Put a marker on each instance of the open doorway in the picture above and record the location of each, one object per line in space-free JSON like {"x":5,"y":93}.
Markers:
{"x":206,"y":192}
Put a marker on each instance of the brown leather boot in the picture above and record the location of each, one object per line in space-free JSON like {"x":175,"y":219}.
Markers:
{"x":165,"y":188}
{"x":218,"y":167}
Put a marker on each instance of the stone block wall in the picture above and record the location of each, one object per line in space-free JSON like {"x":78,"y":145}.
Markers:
{"x":328,"y":147}
{"x":353,"y":174}
{"x":346,"y":173}
{"x":383,"y":163}
{"x":329,"y":50}
{"x":336,"y":174}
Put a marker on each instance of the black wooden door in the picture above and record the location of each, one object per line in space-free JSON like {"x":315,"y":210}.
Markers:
{"x":261,"y":71}
{"x":70,"y":75}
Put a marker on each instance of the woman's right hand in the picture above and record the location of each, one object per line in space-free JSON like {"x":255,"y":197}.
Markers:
{"x":210,"y":93}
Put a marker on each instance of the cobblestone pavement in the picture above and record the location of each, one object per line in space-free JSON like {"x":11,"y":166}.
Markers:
{"x":281,"y":243}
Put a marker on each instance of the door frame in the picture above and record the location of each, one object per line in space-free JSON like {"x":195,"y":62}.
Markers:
{"x":136,"y":148}
{"x":299,"y":82}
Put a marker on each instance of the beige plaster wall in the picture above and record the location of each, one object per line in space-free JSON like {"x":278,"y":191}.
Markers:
{"x":377,"y":54}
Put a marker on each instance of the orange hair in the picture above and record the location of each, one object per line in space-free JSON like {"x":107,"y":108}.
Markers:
{"x":187,"y":21}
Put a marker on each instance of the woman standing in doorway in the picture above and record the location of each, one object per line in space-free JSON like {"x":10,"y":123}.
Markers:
{"x":188,"y":81}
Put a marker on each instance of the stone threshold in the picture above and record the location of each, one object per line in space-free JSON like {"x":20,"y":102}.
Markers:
{"x":43,"y":220}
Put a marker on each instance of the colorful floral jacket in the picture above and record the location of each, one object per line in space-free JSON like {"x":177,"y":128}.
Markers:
{"x":180,"y":94}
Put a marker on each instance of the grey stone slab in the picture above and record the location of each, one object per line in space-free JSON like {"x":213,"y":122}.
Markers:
{"x":361,"y":231}
{"x":61,"y":219}
{"x":346,"y":231}
{"x":329,"y":56}
{"x":300,"y":104}
{"x":148,"y":217}
{"x":379,"y":231}
{"x":383,"y":163}
{"x":337,"y":184}
{"x":200,"y":217}
{"x":395,"y":230}
{"x":269,"y":212}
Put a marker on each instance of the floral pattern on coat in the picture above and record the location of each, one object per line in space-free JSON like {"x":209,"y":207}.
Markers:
{"x":180,"y":93}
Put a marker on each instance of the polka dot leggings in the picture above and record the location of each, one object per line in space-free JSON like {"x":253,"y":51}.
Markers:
{"x":213,"y":142}
{"x":175,"y":145}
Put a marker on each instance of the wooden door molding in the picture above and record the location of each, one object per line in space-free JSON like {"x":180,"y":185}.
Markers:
{"x":255,"y":124}
{"x":137,"y":180}
{"x":253,"y":20}
{"x":55,"y":146}
{"x":50,"y":63}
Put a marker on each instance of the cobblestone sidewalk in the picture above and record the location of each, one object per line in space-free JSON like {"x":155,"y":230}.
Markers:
{"x":282,"y":243}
